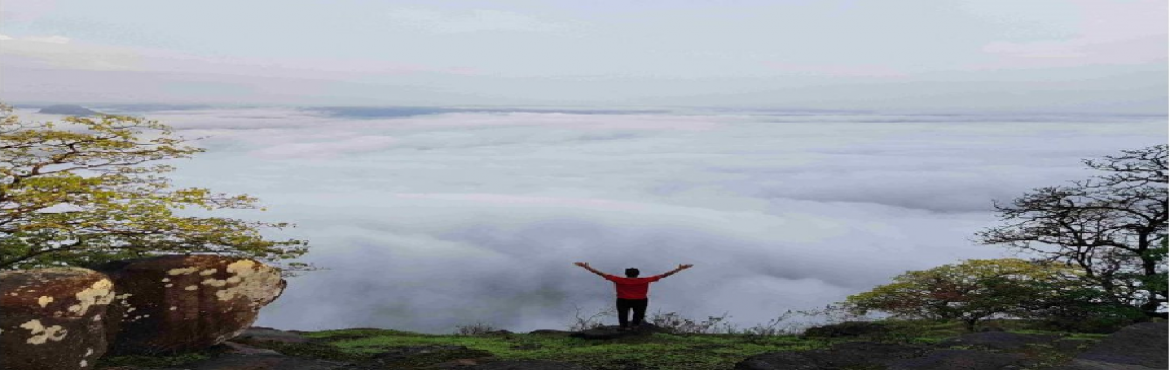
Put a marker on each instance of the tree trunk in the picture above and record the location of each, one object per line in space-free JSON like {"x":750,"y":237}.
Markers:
{"x":971,"y":323}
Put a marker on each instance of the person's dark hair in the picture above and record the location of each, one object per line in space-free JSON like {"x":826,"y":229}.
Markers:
{"x":632,"y":272}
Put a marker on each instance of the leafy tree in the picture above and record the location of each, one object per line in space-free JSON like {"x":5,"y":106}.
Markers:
{"x":86,"y":192}
{"x":1112,"y":226}
{"x":970,"y":291}
{"x":1079,"y":305}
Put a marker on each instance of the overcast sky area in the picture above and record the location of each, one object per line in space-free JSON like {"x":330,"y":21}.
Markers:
{"x":906,"y":55}
{"x":795,"y":152}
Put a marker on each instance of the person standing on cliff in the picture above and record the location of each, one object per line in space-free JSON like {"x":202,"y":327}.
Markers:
{"x":632,"y":292}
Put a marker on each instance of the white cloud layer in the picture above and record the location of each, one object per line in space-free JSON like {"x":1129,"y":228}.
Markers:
{"x":433,"y":221}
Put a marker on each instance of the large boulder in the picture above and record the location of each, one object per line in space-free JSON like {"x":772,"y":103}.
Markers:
{"x":53,"y":318}
{"x":1138,"y":346}
{"x":182,"y":303}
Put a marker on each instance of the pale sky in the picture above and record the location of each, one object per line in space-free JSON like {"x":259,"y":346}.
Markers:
{"x":927,"y":55}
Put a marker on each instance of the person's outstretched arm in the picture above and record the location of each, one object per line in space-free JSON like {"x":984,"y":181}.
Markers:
{"x":676,"y":270}
{"x":586,"y":266}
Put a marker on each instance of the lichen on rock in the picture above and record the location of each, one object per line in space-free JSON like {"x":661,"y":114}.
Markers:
{"x":101,"y":292}
{"x":39,"y":334}
{"x":52,"y":318}
{"x":253,"y":280}
{"x":187,"y":302}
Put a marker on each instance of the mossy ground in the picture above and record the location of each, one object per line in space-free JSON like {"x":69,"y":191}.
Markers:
{"x":655,"y":351}
{"x":651,"y":351}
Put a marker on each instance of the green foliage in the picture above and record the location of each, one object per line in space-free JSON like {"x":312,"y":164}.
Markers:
{"x":969,"y":291}
{"x":89,"y":190}
{"x":1083,"y":309}
{"x":1156,"y":282}
{"x":1110,"y":226}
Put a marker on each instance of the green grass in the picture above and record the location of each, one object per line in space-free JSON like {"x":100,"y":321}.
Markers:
{"x":662,"y":351}
{"x":656,"y":351}
{"x":1066,"y":335}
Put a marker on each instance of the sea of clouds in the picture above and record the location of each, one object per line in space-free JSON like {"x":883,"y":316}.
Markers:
{"x":431,"y":220}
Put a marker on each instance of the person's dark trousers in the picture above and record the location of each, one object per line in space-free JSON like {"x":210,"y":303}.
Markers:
{"x":625,"y":305}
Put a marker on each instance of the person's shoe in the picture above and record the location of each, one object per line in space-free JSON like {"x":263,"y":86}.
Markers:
{"x":623,"y":328}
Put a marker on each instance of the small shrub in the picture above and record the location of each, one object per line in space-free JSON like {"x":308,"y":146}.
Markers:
{"x":848,"y":329}
{"x":833,"y":314}
{"x":771,"y":328}
{"x":582,"y":323}
{"x":478,"y":328}
{"x":675,"y":323}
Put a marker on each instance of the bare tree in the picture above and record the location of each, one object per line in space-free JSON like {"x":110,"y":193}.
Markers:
{"x":1113,"y":226}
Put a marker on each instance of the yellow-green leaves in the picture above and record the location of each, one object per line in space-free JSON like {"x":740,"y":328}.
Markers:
{"x":83,"y":192}
{"x":969,"y":291}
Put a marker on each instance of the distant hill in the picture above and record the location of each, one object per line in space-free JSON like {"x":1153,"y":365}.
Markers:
{"x":69,"y":110}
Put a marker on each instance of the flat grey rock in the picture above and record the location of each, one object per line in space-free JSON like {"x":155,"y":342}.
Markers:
{"x":998,"y":340}
{"x":1141,"y":344}
{"x":260,"y":334}
{"x":613,"y":332}
{"x":266,"y":362}
{"x":957,"y":359}
{"x":403,"y":353}
{"x":550,"y":332}
{"x":849,"y":354}
{"x":1096,"y":365}
{"x":527,"y":365}
{"x":847,"y":329}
